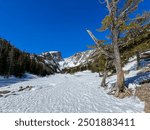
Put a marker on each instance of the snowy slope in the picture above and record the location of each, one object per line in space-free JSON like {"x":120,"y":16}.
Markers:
{"x":77,"y":59}
{"x":65,"y":93}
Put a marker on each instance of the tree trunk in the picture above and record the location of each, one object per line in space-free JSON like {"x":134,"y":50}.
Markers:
{"x":11,"y":63}
{"x":118,"y":65}
{"x":103,"y":83}
{"x":138,"y":60}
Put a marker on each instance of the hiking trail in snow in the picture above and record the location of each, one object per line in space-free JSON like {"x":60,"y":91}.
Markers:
{"x":65,"y":93}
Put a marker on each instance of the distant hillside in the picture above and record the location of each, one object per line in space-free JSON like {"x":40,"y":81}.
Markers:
{"x":15,"y":62}
{"x":80,"y":58}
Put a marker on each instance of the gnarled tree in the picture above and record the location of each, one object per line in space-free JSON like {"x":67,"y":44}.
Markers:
{"x":119,"y":23}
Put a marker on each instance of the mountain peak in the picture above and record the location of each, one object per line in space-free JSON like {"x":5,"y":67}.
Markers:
{"x":55,"y":55}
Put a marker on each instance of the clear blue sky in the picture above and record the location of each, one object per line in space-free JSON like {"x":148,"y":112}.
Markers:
{"x":37,"y":26}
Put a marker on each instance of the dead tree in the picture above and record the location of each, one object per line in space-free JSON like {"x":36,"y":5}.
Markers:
{"x":105,"y":73}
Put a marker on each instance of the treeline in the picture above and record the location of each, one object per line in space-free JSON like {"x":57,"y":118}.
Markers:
{"x":15,"y":62}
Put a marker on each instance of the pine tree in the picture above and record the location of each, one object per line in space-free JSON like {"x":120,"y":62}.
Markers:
{"x":10,"y":62}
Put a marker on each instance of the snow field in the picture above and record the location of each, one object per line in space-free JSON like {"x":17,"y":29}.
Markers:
{"x":65,"y":93}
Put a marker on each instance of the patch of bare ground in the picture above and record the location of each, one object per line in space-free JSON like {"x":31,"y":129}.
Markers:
{"x":143,"y":93}
{"x":4,"y":92}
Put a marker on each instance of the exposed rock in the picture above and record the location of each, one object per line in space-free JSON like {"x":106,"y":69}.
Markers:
{"x":143,"y":93}
{"x":147,"y":107}
{"x":4,"y":92}
{"x":25,"y":88}
{"x":53,"y":55}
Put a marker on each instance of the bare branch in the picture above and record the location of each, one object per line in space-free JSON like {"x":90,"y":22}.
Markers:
{"x":100,"y":46}
{"x":108,"y":6}
{"x":144,"y":17}
{"x":129,"y":7}
{"x":93,"y":37}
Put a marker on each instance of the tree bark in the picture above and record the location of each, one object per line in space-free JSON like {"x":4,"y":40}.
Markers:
{"x":103,"y":83}
{"x":120,"y":84}
{"x":138,"y":60}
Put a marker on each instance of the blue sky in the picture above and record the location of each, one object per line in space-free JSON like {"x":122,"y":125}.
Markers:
{"x":37,"y":26}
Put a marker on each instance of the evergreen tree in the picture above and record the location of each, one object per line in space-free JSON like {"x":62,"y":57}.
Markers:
{"x":10,"y":62}
{"x":15,"y":62}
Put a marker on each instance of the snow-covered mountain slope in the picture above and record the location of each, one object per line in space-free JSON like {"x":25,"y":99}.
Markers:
{"x":51,"y":59}
{"x":52,"y":55}
{"x":77,"y":59}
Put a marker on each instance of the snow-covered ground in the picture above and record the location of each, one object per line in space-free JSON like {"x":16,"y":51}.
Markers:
{"x":12,"y":80}
{"x":80,"y":92}
{"x":65,"y":93}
